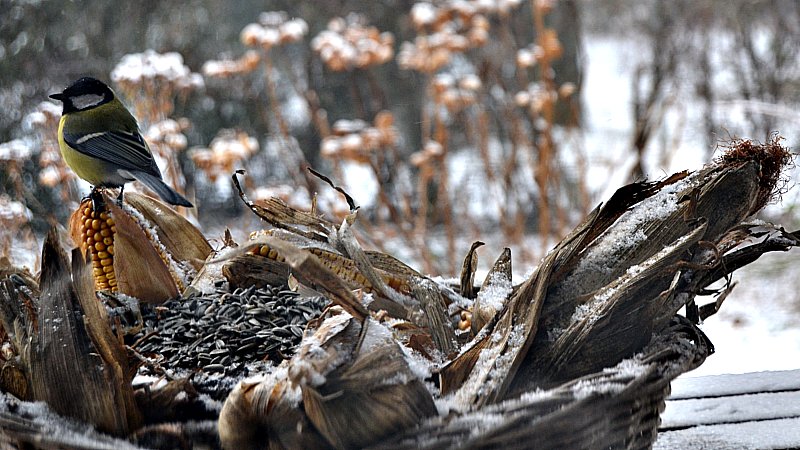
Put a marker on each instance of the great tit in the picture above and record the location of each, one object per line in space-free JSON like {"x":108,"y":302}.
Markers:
{"x":100,"y":141}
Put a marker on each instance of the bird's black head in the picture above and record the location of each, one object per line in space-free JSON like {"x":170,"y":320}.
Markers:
{"x":85,"y":93}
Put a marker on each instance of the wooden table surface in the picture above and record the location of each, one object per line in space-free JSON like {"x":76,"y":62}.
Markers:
{"x":758,"y":410}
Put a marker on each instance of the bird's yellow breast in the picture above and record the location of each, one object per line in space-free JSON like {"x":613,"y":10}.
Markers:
{"x":93,"y":170}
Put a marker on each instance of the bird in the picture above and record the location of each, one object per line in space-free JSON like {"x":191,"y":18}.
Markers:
{"x":100,"y":141}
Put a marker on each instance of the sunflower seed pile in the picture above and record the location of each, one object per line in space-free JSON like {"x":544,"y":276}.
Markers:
{"x":223,"y":331}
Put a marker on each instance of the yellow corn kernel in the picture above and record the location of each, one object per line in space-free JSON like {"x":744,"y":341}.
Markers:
{"x":263,"y":250}
{"x":272,"y":254}
{"x":97,"y":236}
{"x":359,"y":279}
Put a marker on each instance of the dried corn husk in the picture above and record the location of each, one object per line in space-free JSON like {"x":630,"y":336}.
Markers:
{"x":349,"y":384}
{"x":264,"y":413}
{"x":468,"y":268}
{"x":495,"y":285}
{"x":144,"y":249}
{"x":76,"y":363}
{"x":182,"y":240}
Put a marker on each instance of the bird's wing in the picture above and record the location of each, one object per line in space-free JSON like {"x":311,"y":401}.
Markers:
{"x":126,"y":150}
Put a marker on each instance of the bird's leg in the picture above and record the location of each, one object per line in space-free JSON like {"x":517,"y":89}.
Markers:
{"x":98,"y":202}
{"x":119,"y":197}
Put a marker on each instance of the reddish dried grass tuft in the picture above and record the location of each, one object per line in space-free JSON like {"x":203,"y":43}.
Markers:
{"x":773,"y":159}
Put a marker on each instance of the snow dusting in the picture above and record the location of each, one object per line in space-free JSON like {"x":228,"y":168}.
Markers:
{"x":496,"y":292}
{"x":627,"y":232}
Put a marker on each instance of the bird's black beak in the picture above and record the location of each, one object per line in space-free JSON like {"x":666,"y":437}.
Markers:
{"x":59,"y":96}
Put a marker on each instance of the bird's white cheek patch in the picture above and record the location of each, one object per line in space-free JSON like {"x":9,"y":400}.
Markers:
{"x":86,"y":100}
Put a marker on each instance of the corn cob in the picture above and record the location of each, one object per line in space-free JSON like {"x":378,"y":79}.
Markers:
{"x":341,"y":266}
{"x":97,"y":236}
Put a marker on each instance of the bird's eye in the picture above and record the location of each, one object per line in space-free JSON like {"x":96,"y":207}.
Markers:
{"x":86,"y":100}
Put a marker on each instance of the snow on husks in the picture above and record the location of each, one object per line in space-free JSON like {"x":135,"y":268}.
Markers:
{"x":579,"y":355}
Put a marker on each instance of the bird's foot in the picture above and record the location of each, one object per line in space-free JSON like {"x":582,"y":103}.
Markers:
{"x":98,"y":202}
{"x":119,"y":197}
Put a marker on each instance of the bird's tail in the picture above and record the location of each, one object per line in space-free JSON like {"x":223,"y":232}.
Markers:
{"x":162,"y":189}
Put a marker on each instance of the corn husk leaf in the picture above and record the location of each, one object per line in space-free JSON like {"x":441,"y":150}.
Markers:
{"x":180,"y":237}
{"x":360,"y":388}
{"x":141,"y":272}
{"x":468,"y":268}
{"x":77,"y":366}
{"x":266,"y":414}
{"x":482,"y":311}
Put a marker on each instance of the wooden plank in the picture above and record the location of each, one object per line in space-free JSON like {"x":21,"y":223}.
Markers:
{"x":767,"y":434}
{"x":733,"y":384}
{"x":730,"y":409}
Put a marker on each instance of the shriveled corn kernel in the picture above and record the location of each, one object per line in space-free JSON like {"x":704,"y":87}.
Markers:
{"x":113,"y":283}
{"x":108,"y":241}
{"x":272,"y":254}
{"x":110,"y":276}
{"x":108,"y":269}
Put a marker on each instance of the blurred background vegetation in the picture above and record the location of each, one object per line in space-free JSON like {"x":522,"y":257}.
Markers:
{"x":448,"y":121}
